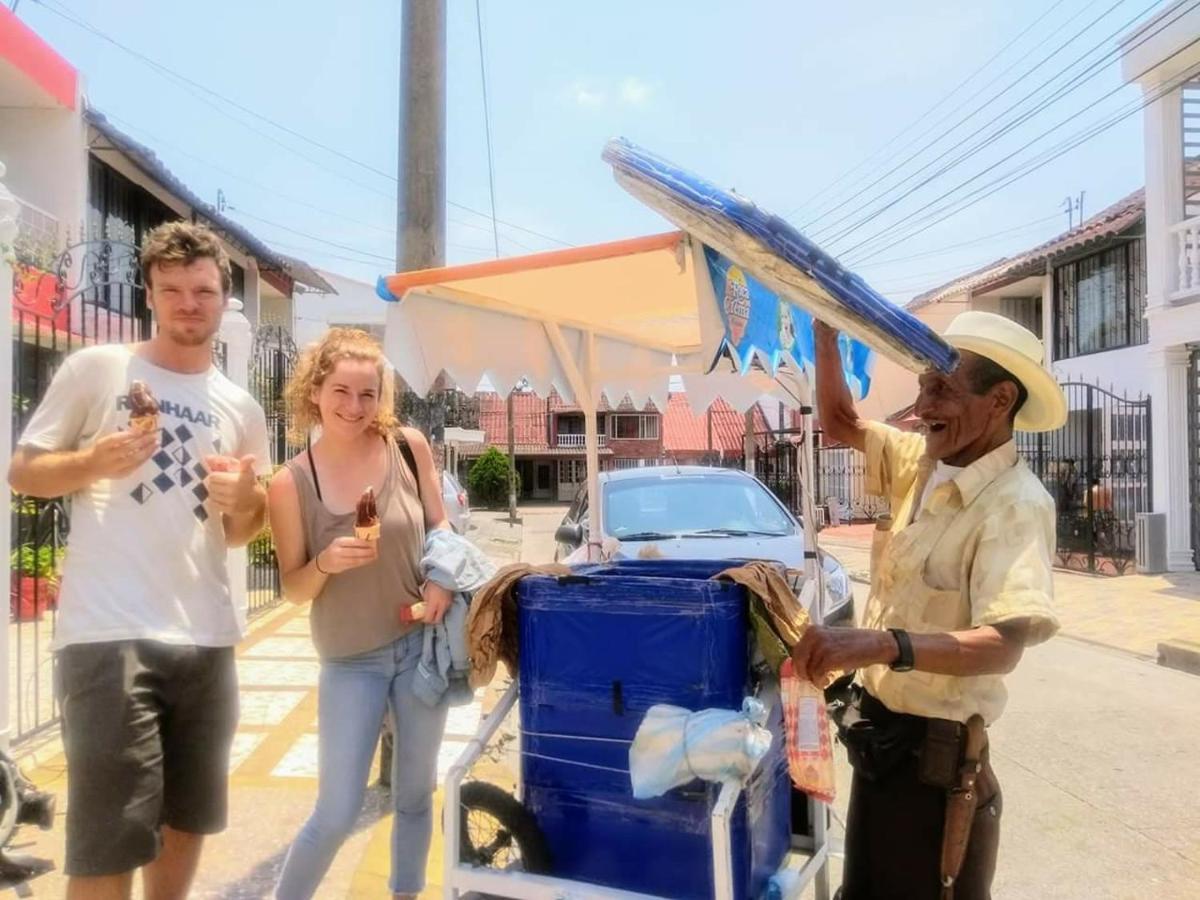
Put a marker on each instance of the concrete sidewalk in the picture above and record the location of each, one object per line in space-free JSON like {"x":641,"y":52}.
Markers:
{"x":1130,"y":613}
{"x":273,"y":769}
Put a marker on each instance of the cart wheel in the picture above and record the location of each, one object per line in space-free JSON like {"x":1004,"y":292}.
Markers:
{"x":498,"y":832}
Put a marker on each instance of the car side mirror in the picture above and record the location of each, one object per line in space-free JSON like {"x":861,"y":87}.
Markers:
{"x":570,"y":534}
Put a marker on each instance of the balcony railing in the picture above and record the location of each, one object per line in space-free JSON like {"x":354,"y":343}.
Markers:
{"x":577,"y":441}
{"x":1186,"y":238}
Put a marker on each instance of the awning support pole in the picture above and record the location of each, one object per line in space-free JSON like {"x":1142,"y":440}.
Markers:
{"x":582,"y":381}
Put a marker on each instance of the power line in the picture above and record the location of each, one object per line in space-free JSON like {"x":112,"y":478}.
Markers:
{"x":313,"y":237}
{"x":390,"y":232}
{"x":976,"y":110}
{"x":487,"y":126}
{"x":945,"y":270}
{"x":950,"y":248}
{"x":1072,"y":85}
{"x":887,"y":145}
{"x":1036,"y":163}
{"x":69,"y":16}
{"x":986,"y":141}
{"x":217,"y":167}
{"x":1048,"y":155}
{"x":303,"y":248}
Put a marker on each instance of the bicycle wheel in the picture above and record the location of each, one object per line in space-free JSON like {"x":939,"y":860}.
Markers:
{"x":498,"y":832}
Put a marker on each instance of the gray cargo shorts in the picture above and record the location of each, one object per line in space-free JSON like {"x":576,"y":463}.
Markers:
{"x":147,"y":729}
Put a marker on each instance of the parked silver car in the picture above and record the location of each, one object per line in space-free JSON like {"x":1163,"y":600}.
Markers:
{"x":697,"y":512}
{"x":454,"y":498}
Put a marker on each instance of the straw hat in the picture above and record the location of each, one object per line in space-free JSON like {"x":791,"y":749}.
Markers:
{"x":1018,"y":350}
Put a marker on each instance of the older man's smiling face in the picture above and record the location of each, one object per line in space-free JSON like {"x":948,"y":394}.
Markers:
{"x":961,"y":425}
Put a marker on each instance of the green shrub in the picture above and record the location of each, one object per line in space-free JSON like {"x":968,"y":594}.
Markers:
{"x":488,"y":479}
{"x":35,"y":562}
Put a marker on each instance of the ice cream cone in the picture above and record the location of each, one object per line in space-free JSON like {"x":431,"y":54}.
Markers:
{"x":367,"y":532}
{"x":144,"y":424}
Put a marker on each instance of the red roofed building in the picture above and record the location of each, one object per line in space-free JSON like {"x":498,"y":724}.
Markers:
{"x":548,"y":434}
{"x":708,"y":438}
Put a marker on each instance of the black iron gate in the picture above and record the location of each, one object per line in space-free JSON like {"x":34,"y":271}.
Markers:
{"x":840,"y":473}
{"x":775,"y":466}
{"x":272,"y":361}
{"x":1098,"y":469}
{"x":91,"y":293}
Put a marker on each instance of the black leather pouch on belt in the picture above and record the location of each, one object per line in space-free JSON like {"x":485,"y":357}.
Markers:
{"x":877,"y":740}
{"x":941,"y":754}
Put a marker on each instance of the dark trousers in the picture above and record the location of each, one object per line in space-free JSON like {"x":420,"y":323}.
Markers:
{"x":894,"y":838}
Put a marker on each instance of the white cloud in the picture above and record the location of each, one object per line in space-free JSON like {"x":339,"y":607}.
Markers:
{"x":635,"y":92}
{"x":584,"y":94}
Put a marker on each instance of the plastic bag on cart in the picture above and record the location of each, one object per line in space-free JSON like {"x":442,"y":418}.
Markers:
{"x":806,"y":729}
{"x":674,"y":746}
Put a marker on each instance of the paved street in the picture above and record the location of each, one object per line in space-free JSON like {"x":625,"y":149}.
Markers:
{"x":1096,"y":756}
{"x":1132,"y":613}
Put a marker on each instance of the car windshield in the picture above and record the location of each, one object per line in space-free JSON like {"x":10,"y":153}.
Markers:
{"x":692,"y":504}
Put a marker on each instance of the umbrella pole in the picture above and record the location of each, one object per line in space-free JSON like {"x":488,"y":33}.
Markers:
{"x":812,"y":562}
{"x":582,"y":379}
{"x":592,"y":442}
{"x":592,"y":438}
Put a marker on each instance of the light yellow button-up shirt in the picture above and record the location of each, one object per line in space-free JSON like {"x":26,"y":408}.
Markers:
{"x":977,"y":553}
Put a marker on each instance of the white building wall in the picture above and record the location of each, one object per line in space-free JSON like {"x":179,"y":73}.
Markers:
{"x":1124,"y":371}
{"x":1174,"y":326}
{"x":45,"y":153}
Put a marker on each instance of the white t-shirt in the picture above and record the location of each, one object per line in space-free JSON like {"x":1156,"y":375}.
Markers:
{"x":145,"y":558}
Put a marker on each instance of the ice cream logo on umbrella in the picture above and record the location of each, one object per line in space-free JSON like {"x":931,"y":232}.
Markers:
{"x":787,"y":328}
{"x":737,"y":304}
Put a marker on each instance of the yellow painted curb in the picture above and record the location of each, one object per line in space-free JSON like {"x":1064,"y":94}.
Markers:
{"x":375,"y":867}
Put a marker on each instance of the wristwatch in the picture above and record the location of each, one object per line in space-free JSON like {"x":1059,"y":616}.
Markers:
{"x":904,"y":662}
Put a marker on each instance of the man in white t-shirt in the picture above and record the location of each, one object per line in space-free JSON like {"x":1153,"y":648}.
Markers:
{"x":146,"y":624}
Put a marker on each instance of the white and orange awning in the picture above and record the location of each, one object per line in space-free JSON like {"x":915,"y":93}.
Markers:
{"x":644,"y":308}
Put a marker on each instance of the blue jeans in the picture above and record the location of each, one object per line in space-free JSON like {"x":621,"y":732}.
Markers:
{"x":353,"y":696}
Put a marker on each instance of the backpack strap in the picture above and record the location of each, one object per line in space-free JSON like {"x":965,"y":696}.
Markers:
{"x":406,"y":452}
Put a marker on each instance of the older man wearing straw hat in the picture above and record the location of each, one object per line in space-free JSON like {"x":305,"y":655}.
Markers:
{"x":960,"y":585}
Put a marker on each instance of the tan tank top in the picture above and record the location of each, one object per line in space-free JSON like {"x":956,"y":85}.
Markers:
{"x":359,"y":610}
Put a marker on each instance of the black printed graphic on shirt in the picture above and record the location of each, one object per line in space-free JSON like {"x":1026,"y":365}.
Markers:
{"x":179,"y":461}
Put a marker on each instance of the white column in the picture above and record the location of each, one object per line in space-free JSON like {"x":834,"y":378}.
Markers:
{"x":1164,"y":192}
{"x":1169,"y":388}
{"x":9,"y":210}
{"x":251,"y":302}
{"x":1048,"y":316}
{"x":238,"y":337}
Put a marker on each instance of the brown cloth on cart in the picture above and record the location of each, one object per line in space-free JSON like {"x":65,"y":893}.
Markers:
{"x":777,"y":616}
{"x":492,"y":621}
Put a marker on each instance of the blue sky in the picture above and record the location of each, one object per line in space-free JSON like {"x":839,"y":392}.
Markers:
{"x":775,"y":99}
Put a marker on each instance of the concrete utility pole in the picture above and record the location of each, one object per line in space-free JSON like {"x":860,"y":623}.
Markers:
{"x":421,"y":191}
{"x":421,"y":175}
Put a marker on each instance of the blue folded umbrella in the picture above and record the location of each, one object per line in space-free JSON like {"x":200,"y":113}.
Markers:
{"x":780,"y":257}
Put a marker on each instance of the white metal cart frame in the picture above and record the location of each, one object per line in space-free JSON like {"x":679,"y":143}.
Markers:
{"x":459,"y":878}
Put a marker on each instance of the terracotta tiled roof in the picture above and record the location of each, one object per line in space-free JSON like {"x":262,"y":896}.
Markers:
{"x":1120,"y":217}
{"x":529,"y":419}
{"x":682,"y":431}
{"x":685,"y":432}
{"x":529,"y":449}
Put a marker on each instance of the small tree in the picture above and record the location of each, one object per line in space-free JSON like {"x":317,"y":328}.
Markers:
{"x":488,"y":479}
